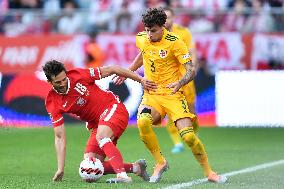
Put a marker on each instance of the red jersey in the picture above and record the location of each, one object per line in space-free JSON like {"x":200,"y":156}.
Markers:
{"x":83,"y":97}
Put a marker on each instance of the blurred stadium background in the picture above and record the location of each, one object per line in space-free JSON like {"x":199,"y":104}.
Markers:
{"x":240,"y":45}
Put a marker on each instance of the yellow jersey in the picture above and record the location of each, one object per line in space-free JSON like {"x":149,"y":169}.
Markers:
{"x":162,"y":60}
{"x":186,"y":36}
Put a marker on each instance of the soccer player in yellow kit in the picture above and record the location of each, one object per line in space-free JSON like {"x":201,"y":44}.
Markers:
{"x":162,"y":53}
{"x":188,"y":89}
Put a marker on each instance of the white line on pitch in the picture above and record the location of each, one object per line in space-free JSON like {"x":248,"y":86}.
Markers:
{"x":246,"y":170}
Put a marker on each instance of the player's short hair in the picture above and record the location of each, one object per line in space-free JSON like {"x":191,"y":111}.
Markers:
{"x":154,"y":16}
{"x":170,"y":10}
{"x":53,"y":68}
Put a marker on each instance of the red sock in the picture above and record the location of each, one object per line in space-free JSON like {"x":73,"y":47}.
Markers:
{"x":114,"y":157}
{"x":109,"y":170}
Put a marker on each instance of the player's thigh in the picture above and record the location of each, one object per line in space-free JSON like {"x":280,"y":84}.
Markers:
{"x":191,"y":107}
{"x":105,"y":131}
{"x":151,"y":102}
{"x":113,"y":122}
{"x":183,"y":122}
{"x":177,"y":107}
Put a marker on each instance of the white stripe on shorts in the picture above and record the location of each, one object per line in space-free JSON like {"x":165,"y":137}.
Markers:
{"x":111,"y":112}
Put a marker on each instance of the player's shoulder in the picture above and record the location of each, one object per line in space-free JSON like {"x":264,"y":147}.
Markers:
{"x":141,"y":34}
{"x":74,"y":71}
{"x":180,"y":27}
{"x":141,"y":39}
{"x":181,"y":30}
{"x":170,"y":36}
{"x":51,"y":97}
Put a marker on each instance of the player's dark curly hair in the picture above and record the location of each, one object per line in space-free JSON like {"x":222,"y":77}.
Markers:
{"x":53,"y":68}
{"x":154,"y":16}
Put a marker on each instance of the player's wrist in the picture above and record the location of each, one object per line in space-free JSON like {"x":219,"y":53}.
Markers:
{"x":141,"y":79}
{"x":181,"y":83}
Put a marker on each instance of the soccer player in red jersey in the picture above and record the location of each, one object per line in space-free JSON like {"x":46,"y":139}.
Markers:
{"x":75,"y":92}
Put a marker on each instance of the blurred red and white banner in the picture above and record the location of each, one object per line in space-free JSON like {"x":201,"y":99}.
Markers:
{"x":222,"y":51}
{"x":267,"y":52}
{"x":26,"y":54}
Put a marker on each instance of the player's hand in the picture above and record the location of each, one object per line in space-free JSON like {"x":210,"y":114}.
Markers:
{"x":118,"y":80}
{"x":58,"y":176}
{"x":148,"y":85}
{"x":176,"y":86}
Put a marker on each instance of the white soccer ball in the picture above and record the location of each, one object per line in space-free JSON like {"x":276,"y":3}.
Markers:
{"x":91,"y":169}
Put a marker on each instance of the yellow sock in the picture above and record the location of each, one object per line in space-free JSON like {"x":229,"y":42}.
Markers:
{"x":198,"y":150}
{"x":147,"y":135}
{"x":173,"y":132}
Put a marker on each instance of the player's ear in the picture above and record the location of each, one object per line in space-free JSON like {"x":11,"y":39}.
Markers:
{"x":49,"y":81}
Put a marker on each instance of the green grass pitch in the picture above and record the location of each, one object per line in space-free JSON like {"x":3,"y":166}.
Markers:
{"x":27,"y":158}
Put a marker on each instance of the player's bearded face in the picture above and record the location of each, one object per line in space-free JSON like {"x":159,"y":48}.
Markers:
{"x":154,"y":33}
{"x":59,"y":82}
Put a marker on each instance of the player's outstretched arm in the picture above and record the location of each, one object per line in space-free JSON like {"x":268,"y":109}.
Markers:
{"x":136,"y":64}
{"x":189,"y":75}
{"x":60,"y":146}
{"x":110,"y":70}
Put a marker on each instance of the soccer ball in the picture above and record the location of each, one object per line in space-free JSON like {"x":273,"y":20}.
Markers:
{"x":91,"y":169}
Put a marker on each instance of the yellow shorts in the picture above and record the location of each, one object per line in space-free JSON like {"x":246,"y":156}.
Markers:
{"x":175,"y":106}
{"x":189,"y":92}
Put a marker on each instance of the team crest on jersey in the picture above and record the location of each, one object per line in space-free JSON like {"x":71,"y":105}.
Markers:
{"x":163,"y":53}
{"x":81,"y":101}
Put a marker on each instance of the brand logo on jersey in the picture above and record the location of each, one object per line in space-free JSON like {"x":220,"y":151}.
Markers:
{"x":92,"y":72}
{"x":81,"y":101}
{"x":163,"y":53}
{"x":64,"y":105}
{"x":186,"y":56}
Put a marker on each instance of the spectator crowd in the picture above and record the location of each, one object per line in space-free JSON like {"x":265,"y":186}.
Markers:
{"x":123,"y":16}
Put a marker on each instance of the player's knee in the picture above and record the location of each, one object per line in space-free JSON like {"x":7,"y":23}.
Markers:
{"x":188,"y":136}
{"x":102,"y":141}
{"x":144,"y":121}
